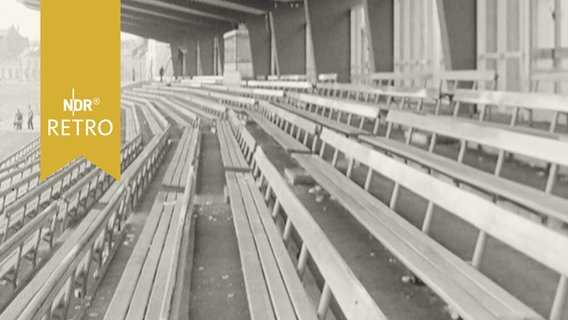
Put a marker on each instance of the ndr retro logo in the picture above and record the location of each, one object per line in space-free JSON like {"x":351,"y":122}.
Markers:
{"x":79,"y":127}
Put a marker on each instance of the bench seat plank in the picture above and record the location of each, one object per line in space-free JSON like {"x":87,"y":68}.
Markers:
{"x":260,"y":306}
{"x":353,"y":299}
{"x":287,"y":142}
{"x":147,"y":276}
{"x":279,"y":295}
{"x":120,"y":302}
{"x":445,"y":273}
{"x":166,"y":265}
{"x":359,"y":108}
{"x":325,"y":122}
{"x":525,"y":196}
{"x":231,"y":155}
{"x":304,"y":309}
{"x":537,"y":147}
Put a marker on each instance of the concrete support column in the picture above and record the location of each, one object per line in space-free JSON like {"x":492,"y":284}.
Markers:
{"x":289,"y":24}
{"x":177,"y":59}
{"x":329,"y":23}
{"x":206,"y":54}
{"x":259,"y":34}
{"x":459,"y":34}
{"x":380,"y":16}
{"x":190,"y":47}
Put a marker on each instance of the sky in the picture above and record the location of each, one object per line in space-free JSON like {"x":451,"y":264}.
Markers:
{"x":13,"y":12}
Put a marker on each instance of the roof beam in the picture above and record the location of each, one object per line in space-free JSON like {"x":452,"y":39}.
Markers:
{"x":182,"y":9}
{"x":232,"y":6}
{"x":160,"y":15}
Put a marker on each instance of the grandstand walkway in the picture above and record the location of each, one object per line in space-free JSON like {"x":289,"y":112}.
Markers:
{"x":217,"y":288}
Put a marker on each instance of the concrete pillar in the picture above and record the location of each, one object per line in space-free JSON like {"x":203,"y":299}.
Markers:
{"x":329,"y":22}
{"x":290,"y":35}
{"x":381,"y":26}
{"x":459,"y":34}
{"x":177,"y":60}
{"x":220,"y":54}
{"x":206,"y":55}
{"x":259,"y":35}
{"x":190,"y":46}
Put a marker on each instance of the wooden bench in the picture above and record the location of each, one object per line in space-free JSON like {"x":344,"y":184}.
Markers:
{"x":148,"y":281}
{"x":12,"y":177}
{"x":299,"y":127}
{"x":450,"y":81}
{"x":184,"y":157}
{"x":180,"y":115}
{"x":554,"y":104}
{"x":81,"y":261}
{"x":301,"y":86}
{"x":147,"y":287}
{"x":338,"y":107}
{"x":344,"y":128}
{"x":395,"y":79}
{"x":273,"y":287}
{"x":339,"y":280}
{"x":468,"y":292}
{"x":552,"y":152}
{"x":260,"y":93}
{"x":233,"y":100}
{"x":554,"y":77}
{"x":146,"y":107}
{"x":22,"y":153}
{"x":21,"y":162}
{"x":233,"y":159}
{"x":198,"y":98}
{"x":21,"y":204}
{"x":246,"y":140}
{"x":286,"y":141}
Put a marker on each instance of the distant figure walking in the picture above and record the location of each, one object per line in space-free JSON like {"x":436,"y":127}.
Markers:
{"x":30,"y":118}
{"x":18,"y":120}
{"x":162,"y":74}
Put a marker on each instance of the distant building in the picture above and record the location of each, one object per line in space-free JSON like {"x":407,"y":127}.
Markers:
{"x":29,"y":64}
{"x":133,"y":60}
{"x":12,"y":45}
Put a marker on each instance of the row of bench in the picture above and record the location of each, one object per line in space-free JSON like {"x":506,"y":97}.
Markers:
{"x":22,"y":246}
{"x":538,"y":249}
{"x":152,"y":279}
{"x":79,"y":263}
{"x":24,"y":152}
{"x":276,"y":279}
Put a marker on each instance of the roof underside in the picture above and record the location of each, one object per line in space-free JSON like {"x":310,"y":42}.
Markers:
{"x":165,"y":19}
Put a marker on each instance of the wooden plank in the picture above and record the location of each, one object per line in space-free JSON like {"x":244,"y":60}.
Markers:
{"x":532,"y":100}
{"x":260,"y":307}
{"x":287,"y":142}
{"x":349,"y":106}
{"x":354,"y":301}
{"x":323,"y":121}
{"x":124,"y":292}
{"x":307,"y":125}
{"x":523,"y":195}
{"x":544,"y":245}
{"x":278,"y":294}
{"x":433,"y":264}
{"x":549,"y":150}
{"x":147,"y":276}
{"x":304,"y":309}
{"x":167,"y":264}
{"x":172,"y":168}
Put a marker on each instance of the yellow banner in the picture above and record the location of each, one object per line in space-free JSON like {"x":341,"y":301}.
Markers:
{"x":80,"y":84}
